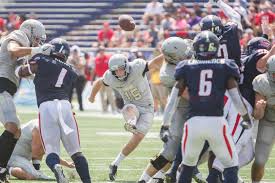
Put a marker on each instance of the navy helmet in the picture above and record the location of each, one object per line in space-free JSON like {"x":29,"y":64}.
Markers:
{"x":61,"y":49}
{"x":257,"y":43}
{"x":206,"y":45}
{"x":212,"y":23}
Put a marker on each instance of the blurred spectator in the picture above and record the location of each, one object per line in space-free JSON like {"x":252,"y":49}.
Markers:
{"x":182,"y":10}
{"x":247,"y":36}
{"x":197,"y":9}
{"x":169,"y":7}
{"x":118,"y":38}
{"x":79,"y":64}
{"x":152,"y":35}
{"x":167,"y":22}
{"x":106,"y":93}
{"x":89,"y":67}
{"x":3,"y":28}
{"x":134,"y":54}
{"x":105,"y":35}
{"x":194,"y":19}
{"x":153,"y":11}
{"x":180,"y":23}
{"x":159,"y":92}
{"x":265,"y":13}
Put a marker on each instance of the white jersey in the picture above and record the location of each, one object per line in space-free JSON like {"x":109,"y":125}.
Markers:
{"x":265,"y":87}
{"x":23,"y":147}
{"x":135,"y":90}
{"x":167,"y":78}
{"x":8,"y":65}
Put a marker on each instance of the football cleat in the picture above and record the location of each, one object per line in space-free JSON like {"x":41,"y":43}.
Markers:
{"x":112,"y":172}
{"x":170,"y":178}
{"x":130,"y":127}
{"x":59,"y":175}
{"x":4,"y":175}
{"x":157,"y":180}
{"x":198,"y":178}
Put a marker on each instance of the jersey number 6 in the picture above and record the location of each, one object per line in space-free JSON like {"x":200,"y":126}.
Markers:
{"x":205,"y":83}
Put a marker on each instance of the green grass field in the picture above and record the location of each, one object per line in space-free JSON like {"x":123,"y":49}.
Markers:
{"x":103,"y":137}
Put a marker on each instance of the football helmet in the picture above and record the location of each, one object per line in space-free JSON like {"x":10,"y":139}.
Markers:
{"x":206,"y":45}
{"x":212,"y":23}
{"x":119,"y":61}
{"x":257,"y":43}
{"x":35,"y":32}
{"x":270,"y":65}
{"x":61,"y":49}
{"x":176,"y":49}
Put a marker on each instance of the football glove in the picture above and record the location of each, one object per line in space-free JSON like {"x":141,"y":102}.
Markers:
{"x":164,"y":133}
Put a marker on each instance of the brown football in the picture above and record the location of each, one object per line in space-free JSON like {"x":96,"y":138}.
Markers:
{"x":126,"y":22}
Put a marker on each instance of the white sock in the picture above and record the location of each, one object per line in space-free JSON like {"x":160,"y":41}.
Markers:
{"x":118,"y":159}
{"x":160,"y":175}
{"x":145,"y":177}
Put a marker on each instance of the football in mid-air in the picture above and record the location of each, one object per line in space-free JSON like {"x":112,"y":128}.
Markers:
{"x":126,"y":22}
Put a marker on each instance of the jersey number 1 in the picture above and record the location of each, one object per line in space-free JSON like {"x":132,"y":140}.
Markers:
{"x":205,"y":83}
{"x":60,"y":79}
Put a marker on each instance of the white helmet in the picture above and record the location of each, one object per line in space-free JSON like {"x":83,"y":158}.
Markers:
{"x":119,"y":61}
{"x":176,"y":49}
{"x":270,"y":65}
{"x":35,"y":31}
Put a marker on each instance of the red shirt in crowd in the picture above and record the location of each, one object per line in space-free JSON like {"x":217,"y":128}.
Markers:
{"x":101,"y":64}
{"x":105,"y":35}
{"x":2,"y":24}
{"x":269,"y":15}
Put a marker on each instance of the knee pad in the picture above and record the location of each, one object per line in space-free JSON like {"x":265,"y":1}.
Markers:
{"x":159,"y":162}
{"x":130,"y":112}
{"x":170,"y":149}
{"x":76,"y":155}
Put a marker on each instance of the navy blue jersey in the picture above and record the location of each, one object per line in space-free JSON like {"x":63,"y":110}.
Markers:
{"x":206,"y":81}
{"x":248,"y":73}
{"x":53,"y":79}
{"x":230,"y":47}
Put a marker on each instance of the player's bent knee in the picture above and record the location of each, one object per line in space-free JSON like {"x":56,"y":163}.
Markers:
{"x":75,"y":155}
{"x":129,"y":111}
{"x":20,"y":173}
{"x":159,"y":162}
{"x":13,"y":128}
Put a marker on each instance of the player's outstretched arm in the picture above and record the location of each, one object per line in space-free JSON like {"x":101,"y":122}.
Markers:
{"x":96,"y":87}
{"x":230,"y":13}
{"x":261,"y":64}
{"x":155,"y":62}
{"x":174,"y":98}
{"x":233,"y":90}
{"x":16,"y":50}
{"x":260,"y":105}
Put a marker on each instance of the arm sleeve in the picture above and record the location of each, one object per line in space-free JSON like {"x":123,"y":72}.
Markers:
{"x":171,"y":107}
{"x":231,"y":13}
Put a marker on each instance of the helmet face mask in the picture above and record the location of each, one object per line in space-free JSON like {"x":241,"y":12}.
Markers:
{"x":61,"y":49}
{"x":35,"y":31}
{"x":118,"y":65}
{"x":206,"y":45}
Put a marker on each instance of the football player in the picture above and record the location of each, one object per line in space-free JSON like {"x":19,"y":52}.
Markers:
{"x":19,"y":43}
{"x":130,"y":81}
{"x":206,"y":80}
{"x":174,"y":50}
{"x":264,"y":110}
{"x":24,"y":163}
{"x":53,"y":81}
